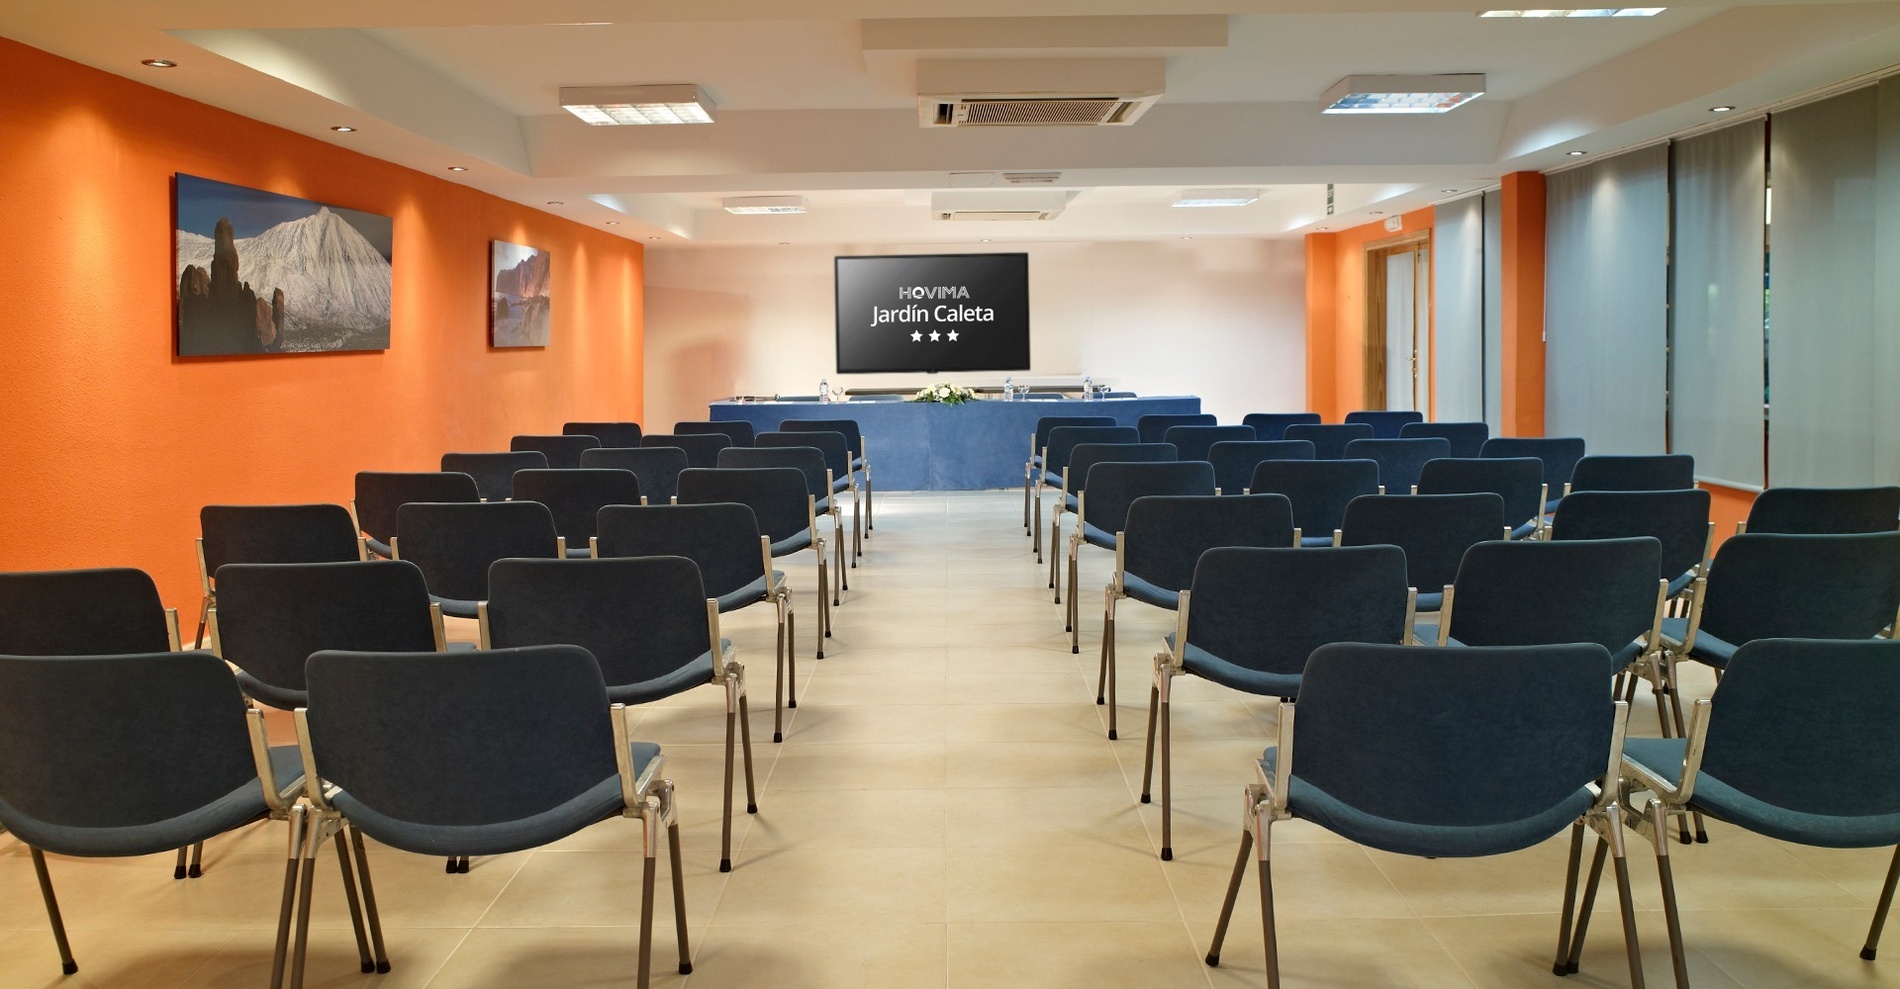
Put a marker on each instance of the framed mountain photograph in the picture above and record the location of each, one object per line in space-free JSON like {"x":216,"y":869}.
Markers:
{"x":518,"y":291}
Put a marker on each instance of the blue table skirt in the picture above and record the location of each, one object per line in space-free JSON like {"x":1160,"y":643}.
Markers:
{"x":921,"y":446}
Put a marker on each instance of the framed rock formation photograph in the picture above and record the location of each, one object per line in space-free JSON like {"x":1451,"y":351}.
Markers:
{"x":518,"y":292}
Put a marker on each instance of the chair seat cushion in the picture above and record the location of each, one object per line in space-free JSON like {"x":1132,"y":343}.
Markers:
{"x":1096,"y":537}
{"x":1316,"y":541}
{"x":379,"y":547}
{"x":841,"y":484}
{"x":1146,"y":593}
{"x":1430,"y":601}
{"x":792,"y":543}
{"x":697,"y":673}
{"x":1678,"y":584}
{"x":271,"y":695}
{"x":751,"y":593}
{"x":455,"y":607}
{"x":1202,"y":663}
{"x":579,"y":553}
{"x":1525,"y":531}
{"x":599,"y":802}
{"x":1717,"y":799}
{"x":1070,"y":503}
{"x":1708,"y":648}
{"x":857,"y":463}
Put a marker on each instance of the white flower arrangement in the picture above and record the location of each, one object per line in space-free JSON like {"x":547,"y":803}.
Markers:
{"x":945,"y":394}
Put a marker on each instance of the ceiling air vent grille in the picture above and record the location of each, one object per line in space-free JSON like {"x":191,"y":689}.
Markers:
{"x":1065,"y":111}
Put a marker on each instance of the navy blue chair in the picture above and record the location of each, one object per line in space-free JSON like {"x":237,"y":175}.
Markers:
{"x":271,"y":534}
{"x":1158,"y":546}
{"x":1234,"y":460}
{"x":574,"y":497}
{"x":1272,"y":425}
{"x":494,"y":473}
{"x":1251,"y":617}
{"x":1115,"y":486}
{"x":406,"y":742}
{"x":1466,"y":438}
{"x":610,"y":434}
{"x":1824,"y":510}
{"x":783,"y":507}
{"x":1385,"y":424}
{"x":701,"y":449}
{"x":562,"y":450}
{"x":454,"y":544}
{"x":1320,"y":490}
{"x":835,"y":447}
{"x":1559,"y":454}
{"x":1329,"y":439}
{"x":1658,"y":472}
{"x":656,"y":468}
{"x":820,"y":484}
{"x":1433,"y":530}
{"x":1194,"y":442}
{"x":1075,"y":477}
{"x":1038,"y":444}
{"x":1399,"y":460}
{"x":646,"y":620}
{"x":97,"y":612}
{"x":1154,"y":427}
{"x":860,"y":461}
{"x":739,"y":431}
{"x":1518,"y":480}
{"x":380,"y":493}
{"x":1677,"y":519}
{"x":1055,"y":464}
{"x":1375,"y":758}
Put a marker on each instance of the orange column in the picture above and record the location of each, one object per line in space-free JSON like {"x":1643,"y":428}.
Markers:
{"x":1522,"y":251}
{"x":1322,"y":326}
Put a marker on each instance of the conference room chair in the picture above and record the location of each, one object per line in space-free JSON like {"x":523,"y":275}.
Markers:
{"x":562,"y":450}
{"x":836,"y":449}
{"x":1824,"y":510}
{"x":809,"y":461}
{"x":1320,"y":490}
{"x":1374,"y":758}
{"x":1466,"y":438}
{"x":1251,"y":617}
{"x":454,"y":544}
{"x":1559,"y":454}
{"x":1234,"y":460}
{"x":735,"y":567}
{"x":1156,"y":550}
{"x":1194,"y":442}
{"x":1385,"y":424}
{"x":655,"y":468}
{"x":1153,"y":428}
{"x":1677,"y":519}
{"x":398,"y":748}
{"x":1518,"y":480}
{"x":1272,"y":425}
{"x":610,"y":434}
{"x":575,"y":496}
{"x":738,"y":431}
{"x":1811,"y":766}
{"x":1329,"y":439}
{"x":784,"y":508}
{"x":96,"y":612}
{"x":1433,"y":530}
{"x":135,"y":754}
{"x":270,"y":534}
{"x":494,"y":473}
{"x":1657,"y":472}
{"x":1399,"y":460}
{"x":1061,"y":443}
{"x":649,"y":624}
{"x":1075,"y":478}
{"x":854,"y":439}
{"x":380,"y":493}
{"x":1038,"y":448}
{"x":701,"y":449}
{"x":1115,"y":486}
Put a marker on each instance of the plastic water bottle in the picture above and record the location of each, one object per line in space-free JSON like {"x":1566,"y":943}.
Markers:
{"x":1009,"y":389}
{"x":824,"y":389}
{"x":1088,"y":388}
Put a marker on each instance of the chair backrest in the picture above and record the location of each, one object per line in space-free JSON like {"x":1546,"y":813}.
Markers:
{"x":1466,"y":438}
{"x":833,"y":445}
{"x":576,"y":495}
{"x":1193,"y":442}
{"x":853,"y":436}
{"x":1824,"y":510}
{"x":1529,"y":593}
{"x":1064,"y":439}
{"x":406,"y":734}
{"x":657,"y":468}
{"x":1659,"y":472}
{"x":1047,"y":423}
{"x":807,"y":460}
{"x":1268,"y":609}
{"x":117,"y":742}
{"x":642,"y":617}
{"x":1373,"y":733}
{"x":272,"y":616}
{"x":701,"y":449}
{"x":277,"y":534}
{"x":1385,"y":423}
{"x":1399,"y":460}
{"x":563,"y":451}
{"x":1165,"y":535}
{"x":738,"y":431}
{"x":1154,"y":428}
{"x":721,"y":538}
{"x":453,"y":544}
{"x":1272,"y":425}
{"x":1113,"y":486}
{"x":1779,"y":586}
{"x":81,"y":613}
{"x":1083,"y":458}
{"x":380,"y":493}
{"x":1234,"y":460}
{"x":608,"y":433}
{"x":1829,"y":748}
{"x":1677,"y":519}
{"x":1433,"y":530}
{"x":1518,"y":480}
{"x":1559,"y":454}
{"x":1320,"y":490}
{"x":778,"y":496}
{"x":1329,"y":439}
{"x":494,"y":473}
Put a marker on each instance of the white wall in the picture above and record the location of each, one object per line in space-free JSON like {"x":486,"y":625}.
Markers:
{"x":1222,"y":318}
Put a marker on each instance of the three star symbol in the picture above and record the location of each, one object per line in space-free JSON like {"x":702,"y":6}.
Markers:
{"x":953,"y":336}
{"x":916,"y":335}
{"x":934,"y":335}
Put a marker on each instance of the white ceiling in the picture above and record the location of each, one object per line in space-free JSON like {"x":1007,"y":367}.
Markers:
{"x":819,"y":99}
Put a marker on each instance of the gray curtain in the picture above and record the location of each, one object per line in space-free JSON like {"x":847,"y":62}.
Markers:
{"x":1458,"y":320}
{"x":1493,"y":312}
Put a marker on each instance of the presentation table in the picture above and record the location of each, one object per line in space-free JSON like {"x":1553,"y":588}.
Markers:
{"x":924,"y":446}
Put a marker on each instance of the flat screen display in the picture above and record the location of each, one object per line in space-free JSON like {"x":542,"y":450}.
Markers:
{"x":933,"y":312}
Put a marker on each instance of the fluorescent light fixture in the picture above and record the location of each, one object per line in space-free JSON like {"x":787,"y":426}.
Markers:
{"x":1217,"y":197}
{"x":751,"y":205}
{"x":606,"y":106}
{"x":1402,"y":94}
{"x":1577,"y":12}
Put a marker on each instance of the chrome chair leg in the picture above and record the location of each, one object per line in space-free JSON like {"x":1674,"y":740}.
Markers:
{"x":179,"y":871}
{"x":1583,"y":910}
{"x":725,"y":827}
{"x":369,"y":899}
{"x":648,"y":839}
{"x":1666,"y":875}
{"x":1148,"y":761}
{"x":1562,"y":964}
{"x":1880,"y":912}
{"x":679,"y":897}
{"x":66,"y":963}
{"x":299,"y":820}
{"x":1233,"y":894}
{"x":350,"y":897}
{"x":197,"y":860}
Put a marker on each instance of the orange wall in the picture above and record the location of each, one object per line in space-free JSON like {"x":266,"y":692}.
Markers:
{"x":110,"y":444}
{"x":1336,"y":312}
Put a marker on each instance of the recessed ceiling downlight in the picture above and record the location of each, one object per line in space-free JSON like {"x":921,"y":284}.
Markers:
{"x":159,"y":63}
{"x":344,"y":129}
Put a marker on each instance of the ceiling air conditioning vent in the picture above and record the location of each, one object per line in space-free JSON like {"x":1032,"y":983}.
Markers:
{"x":1047,"y":92}
{"x":990,"y":111}
{"x":997,"y":205}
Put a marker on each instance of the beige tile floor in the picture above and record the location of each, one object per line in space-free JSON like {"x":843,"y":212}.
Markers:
{"x":947,"y":811}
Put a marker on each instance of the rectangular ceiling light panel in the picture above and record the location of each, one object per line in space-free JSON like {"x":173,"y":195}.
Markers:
{"x":751,"y":205}
{"x":1577,"y":12}
{"x":1402,"y":94}
{"x":606,"y":106}
{"x":1216,"y":197}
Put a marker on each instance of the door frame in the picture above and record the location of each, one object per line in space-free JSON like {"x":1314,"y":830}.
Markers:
{"x":1376,"y":253}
